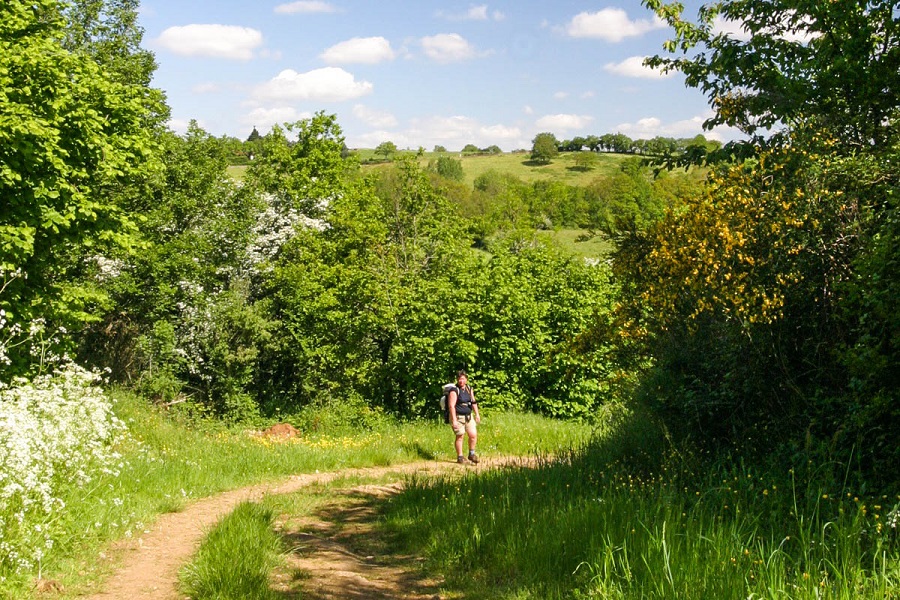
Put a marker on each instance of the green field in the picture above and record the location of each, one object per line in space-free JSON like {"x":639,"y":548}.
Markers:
{"x":518,"y":164}
{"x":563,"y":168}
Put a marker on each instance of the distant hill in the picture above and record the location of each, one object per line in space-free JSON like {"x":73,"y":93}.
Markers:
{"x":563,"y":168}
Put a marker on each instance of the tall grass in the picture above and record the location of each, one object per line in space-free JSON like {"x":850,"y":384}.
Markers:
{"x":610,"y":520}
{"x":235,"y":559}
{"x":170,"y":461}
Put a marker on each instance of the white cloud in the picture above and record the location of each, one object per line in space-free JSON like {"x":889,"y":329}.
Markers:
{"x":610,"y":24}
{"x":264,"y":118}
{"x":206,"y":88}
{"x":180,"y":126}
{"x":588,"y":94}
{"x":329,"y":84}
{"x":475,"y":13}
{"x":451,"y":132}
{"x":447,"y":47}
{"x":374,"y":118}
{"x":369,"y":51}
{"x":216,"y":41}
{"x":563,"y":122}
{"x":650,"y":127}
{"x":736,"y":30}
{"x":561,"y":95}
{"x":634,"y":67}
{"x":305,"y":6}
{"x":527,"y":110}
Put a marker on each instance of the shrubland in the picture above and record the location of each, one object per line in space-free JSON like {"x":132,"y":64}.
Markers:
{"x":742,"y":331}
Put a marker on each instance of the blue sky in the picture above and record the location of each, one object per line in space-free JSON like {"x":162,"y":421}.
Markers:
{"x":421,"y":73}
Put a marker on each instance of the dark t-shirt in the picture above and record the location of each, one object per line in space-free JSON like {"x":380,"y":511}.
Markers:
{"x":464,"y":401}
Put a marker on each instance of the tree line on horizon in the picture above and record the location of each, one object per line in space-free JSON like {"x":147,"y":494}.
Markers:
{"x":241,"y":152}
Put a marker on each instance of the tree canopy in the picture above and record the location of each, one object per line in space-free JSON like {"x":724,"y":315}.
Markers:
{"x":69,"y":131}
{"x":834,"y":64}
{"x":545,"y":147}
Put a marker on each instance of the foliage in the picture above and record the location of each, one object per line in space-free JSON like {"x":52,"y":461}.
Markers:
{"x":532,"y":304}
{"x":833,"y":65}
{"x":57,"y":433}
{"x":69,"y":132}
{"x":386,"y":149}
{"x":305,"y":173}
{"x":545,"y":147}
{"x":108,"y":31}
{"x":747,"y":295}
{"x":449,"y":168}
{"x":182,"y":315}
{"x":370,"y":299}
{"x":765,"y":302}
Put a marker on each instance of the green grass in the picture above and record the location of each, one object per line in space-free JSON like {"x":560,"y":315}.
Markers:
{"x":518,"y":164}
{"x":570,"y":240}
{"x":236,"y":172}
{"x":616,"y":520}
{"x":171,"y":462}
{"x":235,"y":558}
{"x":562,"y":168}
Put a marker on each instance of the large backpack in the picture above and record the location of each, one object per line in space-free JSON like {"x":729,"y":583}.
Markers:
{"x":445,"y":404}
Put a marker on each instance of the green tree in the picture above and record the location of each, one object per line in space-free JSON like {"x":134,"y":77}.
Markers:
{"x":304,"y":174}
{"x":586,"y":160}
{"x":69,"y":132}
{"x":544,"y":148}
{"x":449,"y":168}
{"x":438,"y":148}
{"x":470,"y":149}
{"x":386,"y":149}
{"x":834,"y":64}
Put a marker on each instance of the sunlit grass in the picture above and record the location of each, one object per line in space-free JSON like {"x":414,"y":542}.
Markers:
{"x":235,"y":558}
{"x":172,"y":462}
{"x":606,"y":523}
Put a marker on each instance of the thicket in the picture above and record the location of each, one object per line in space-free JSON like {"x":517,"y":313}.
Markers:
{"x":763,"y":311}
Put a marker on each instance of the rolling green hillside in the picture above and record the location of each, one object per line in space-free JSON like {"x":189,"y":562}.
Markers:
{"x":519,"y":164}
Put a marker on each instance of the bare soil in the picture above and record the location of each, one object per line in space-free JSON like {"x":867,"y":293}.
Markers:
{"x":335,"y":555}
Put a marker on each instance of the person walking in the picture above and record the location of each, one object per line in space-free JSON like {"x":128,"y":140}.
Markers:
{"x":464,"y":416}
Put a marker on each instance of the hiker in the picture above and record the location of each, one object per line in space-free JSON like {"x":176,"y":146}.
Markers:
{"x":464,"y":416}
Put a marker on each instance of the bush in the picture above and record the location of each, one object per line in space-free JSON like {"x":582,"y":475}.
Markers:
{"x":55,"y":431}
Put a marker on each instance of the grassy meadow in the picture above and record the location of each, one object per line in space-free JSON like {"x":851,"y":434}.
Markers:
{"x":563,"y":168}
{"x":625,"y":517}
{"x":621,"y":516}
{"x":172,"y":459}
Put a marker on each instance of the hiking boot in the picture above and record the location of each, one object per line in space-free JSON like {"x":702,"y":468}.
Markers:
{"x":460,"y":460}
{"x":474,"y":458}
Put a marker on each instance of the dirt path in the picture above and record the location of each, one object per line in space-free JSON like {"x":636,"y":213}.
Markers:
{"x":150,"y":563}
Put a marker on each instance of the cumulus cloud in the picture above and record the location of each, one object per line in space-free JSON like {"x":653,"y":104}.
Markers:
{"x":634,"y":67}
{"x":206,"y":88}
{"x":563,"y":122}
{"x":561,"y":95}
{"x":369,"y":51}
{"x":330,"y":84}
{"x":650,"y":127}
{"x":452,"y":132}
{"x":305,"y":6}
{"x":374,"y":118}
{"x":265,"y":118}
{"x":447,"y":47}
{"x":180,"y":126}
{"x":475,"y":13}
{"x":216,"y":41}
{"x":737,"y":30}
{"x":610,"y":24}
